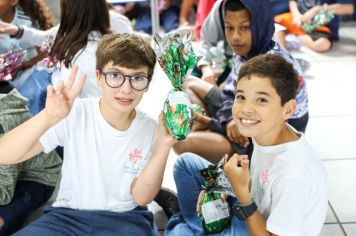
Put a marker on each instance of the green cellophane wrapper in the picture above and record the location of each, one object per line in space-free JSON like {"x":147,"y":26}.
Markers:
{"x":320,"y":19}
{"x":178,"y":114}
{"x":177,"y":59}
{"x":175,"y":56}
{"x":214,"y":214}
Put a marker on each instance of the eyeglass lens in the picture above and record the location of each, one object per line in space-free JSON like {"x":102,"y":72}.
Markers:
{"x":116,"y":79}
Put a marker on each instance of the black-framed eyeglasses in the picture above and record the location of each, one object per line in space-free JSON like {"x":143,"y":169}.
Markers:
{"x":117,"y":79}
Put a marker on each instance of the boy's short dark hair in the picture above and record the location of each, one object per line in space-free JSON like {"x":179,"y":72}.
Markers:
{"x":233,"y":5}
{"x":281,"y":73}
{"x":127,"y":50}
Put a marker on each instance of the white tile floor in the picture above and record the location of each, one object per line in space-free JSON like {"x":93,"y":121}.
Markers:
{"x":331,"y":82}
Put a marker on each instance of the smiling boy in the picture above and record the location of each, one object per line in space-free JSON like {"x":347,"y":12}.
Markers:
{"x":284,"y":190}
{"x":249,"y":29}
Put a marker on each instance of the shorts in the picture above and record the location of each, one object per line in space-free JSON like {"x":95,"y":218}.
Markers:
{"x":213,"y":101}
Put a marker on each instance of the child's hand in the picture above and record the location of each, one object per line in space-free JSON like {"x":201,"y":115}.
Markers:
{"x":297,"y":20}
{"x":201,"y":122}
{"x":6,"y":28}
{"x":163,"y":135}
{"x":60,"y":99}
{"x":236,"y":170}
{"x":308,"y":15}
{"x":233,"y":134}
{"x":200,"y":198}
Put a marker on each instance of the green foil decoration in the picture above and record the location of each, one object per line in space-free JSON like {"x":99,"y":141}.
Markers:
{"x":177,"y":59}
{"x":213,"y":214}
{"x":320,"y":19}
{"x":178,"y":114}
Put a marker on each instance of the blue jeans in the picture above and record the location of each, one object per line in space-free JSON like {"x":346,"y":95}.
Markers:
{"x":169,"y":19}
{"x":28,"y":196}
{"x":64,"y":221}
{"x":35,"y":89}
{"x":189,"y":182}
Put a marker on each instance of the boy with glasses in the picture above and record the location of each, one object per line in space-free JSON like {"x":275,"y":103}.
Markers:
{"x":114,"y":159}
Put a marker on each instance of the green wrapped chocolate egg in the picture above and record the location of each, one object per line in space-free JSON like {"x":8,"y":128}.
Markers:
{"x":178,"y":114}
{"x":214,"y":213}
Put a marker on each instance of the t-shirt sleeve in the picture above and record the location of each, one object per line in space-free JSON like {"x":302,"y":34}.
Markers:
{"x":59,"y":133}
{"x":287,"y":210}
{"x":55,"y":136}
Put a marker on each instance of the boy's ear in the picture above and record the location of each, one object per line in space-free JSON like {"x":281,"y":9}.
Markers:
{"x":97,"y":75}
{"x":289,"y":109}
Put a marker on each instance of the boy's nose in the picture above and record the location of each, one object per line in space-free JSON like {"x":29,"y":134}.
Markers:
{"x":126,"y":86}
{"x":236,"y":36}
{"x":248,"y":108}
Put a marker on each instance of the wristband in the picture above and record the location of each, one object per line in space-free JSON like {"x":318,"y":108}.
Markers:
{"x":19,"y":32}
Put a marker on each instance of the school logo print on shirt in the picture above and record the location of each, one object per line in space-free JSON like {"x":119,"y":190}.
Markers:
{"x":264,"y":179}
{"x":134,"y":160}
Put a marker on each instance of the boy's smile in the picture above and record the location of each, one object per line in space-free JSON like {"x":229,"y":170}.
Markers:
{"x":257,"y":109}
{"x":237,"y":30}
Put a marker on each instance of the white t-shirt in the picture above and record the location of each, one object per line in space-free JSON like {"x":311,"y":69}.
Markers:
{"x":289,"y":188}
{"x":85,"y":58}
{"x":100,"y":162}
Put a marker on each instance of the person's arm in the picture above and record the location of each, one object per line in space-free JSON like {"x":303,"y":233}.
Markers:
{"x":185,"y":9}
{"x":22,"y":143}
{"x":337,"y":8}
{"x":297,"y":16}
{"x":341,"y":8}
{"x":29,"y":36}
{"x":146,"y":186}
{"x":237,"y":170}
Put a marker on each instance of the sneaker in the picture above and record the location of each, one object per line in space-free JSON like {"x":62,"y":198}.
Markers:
{"x":167,"y":199}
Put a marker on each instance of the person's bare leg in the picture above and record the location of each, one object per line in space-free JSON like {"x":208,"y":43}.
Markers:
{"x":209,"y":145}
{"x":279,"y":37}
{"x":197,"y":90}
{"x":319,"y":45}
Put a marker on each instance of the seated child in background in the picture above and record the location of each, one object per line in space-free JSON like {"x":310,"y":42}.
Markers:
{"x":25,"y":186}
{"x":249,"y":29}
{"x":212,"y":32}
{"x":284,"y":190}
{"x":141,"y":13}
{"x":72,"y":46}
{"x":111,"y":170}
{"x":33,"y":14}
{"x":302,"y":12}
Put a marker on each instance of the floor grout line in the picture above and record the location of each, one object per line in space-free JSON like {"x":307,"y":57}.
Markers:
{"x":340,"y":159}
{"x":337,"y":219}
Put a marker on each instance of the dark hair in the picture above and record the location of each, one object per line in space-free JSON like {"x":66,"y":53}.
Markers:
{"x":233,"y":5}
{"x":78,"y":19}
{"x":281,"y":73}
{"x":39,"y":13}
{"x":127,"y":50}
{"x":5,"y":87}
